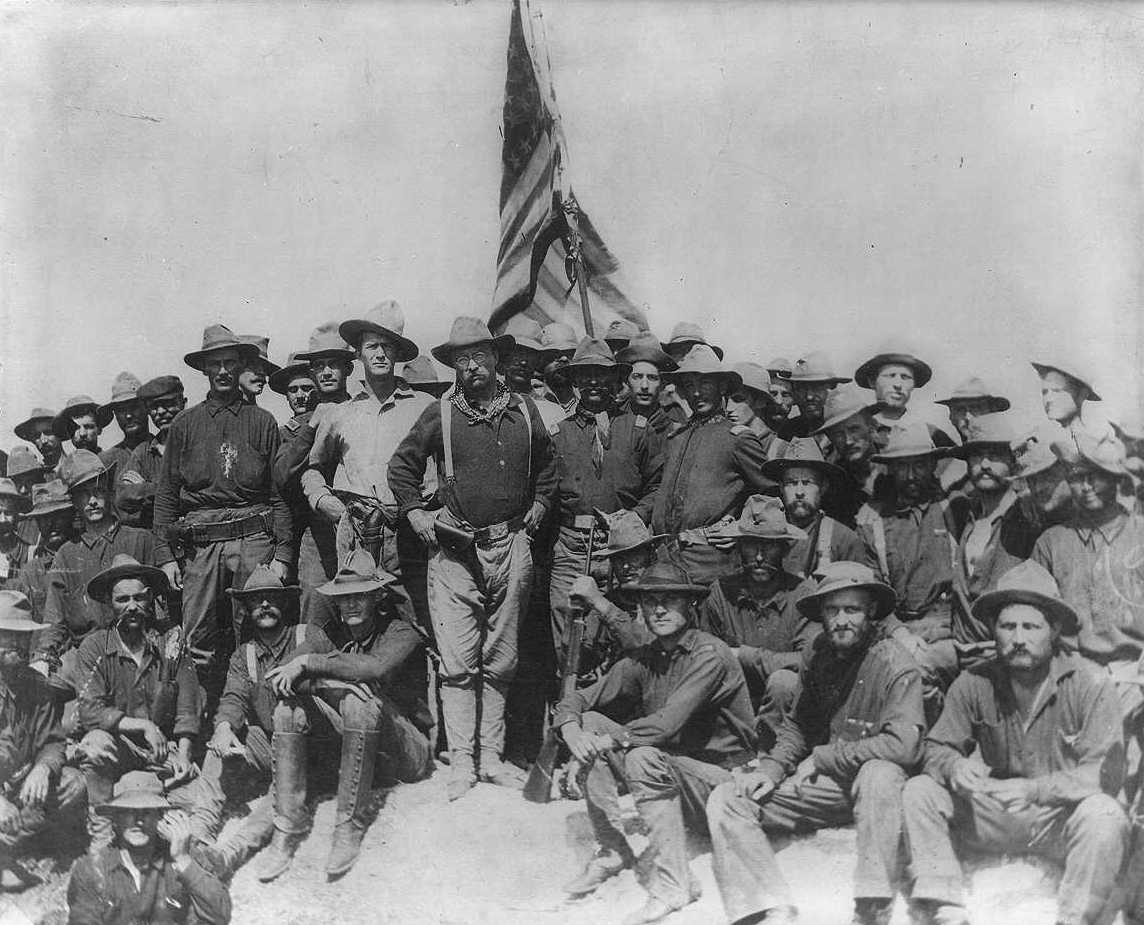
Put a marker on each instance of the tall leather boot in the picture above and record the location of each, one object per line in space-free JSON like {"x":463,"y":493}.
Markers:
{"x":288,"y":764}
{"x":459,"y":712}
{"x":359,"y":754}
{"x":492,"y":768}
{"x":99,"y":791}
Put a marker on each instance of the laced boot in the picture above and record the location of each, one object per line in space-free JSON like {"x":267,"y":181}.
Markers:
{"x":359,"y":755}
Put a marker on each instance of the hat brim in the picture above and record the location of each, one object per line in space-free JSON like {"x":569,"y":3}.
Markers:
{"x":108,"y":475}
{"x":362,"y":586}
{"x":996,"y":403}
{"x":243,"y":593}
{"x":19,"y":625}
{"x":1043,"y":368}
{"x":337,"y":353}
{"x":63,"y":424}
{"x":599,"y":363}
{"x":436,"y":389}
{"x":966,"y":449}
{"x":865,"y":374}
{"x":443,"y":353}
{"x":831,"y":381}
{"x":23,"y":430}
{"x":872,"y":408}
{"x":811,"y":605}
{"x":911,"y":453}
{"x":774,"y":468}
{"x":53,"y":508}
{"x":108,"y":409}
{"x":134,"y":802}
{"x":352,"y":330}
{"x":679,"y":587}
{"x":991,"y":603}
{"x":746,"y":533}
{"x":99,"y":588}
{"x":26,"y":471}
{"x":651,"y":540}
{"x":281,"y":379}
{"x":684,"y":347}
{"x":734,"y":380}
{"x":195,"y":358}
{"x":660,"y":360}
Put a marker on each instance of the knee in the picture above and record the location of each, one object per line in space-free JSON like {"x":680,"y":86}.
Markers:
{"x":1100,"y":819}
{"x":925,"y":796}
{"x":783,"y":687}
{"x":71,"y":788}
{"x":596,"y":722}
{"x":98,"y":749}
{"x":648,"y":770}
{"x":360,"y":713}
{"x":880,"y":781}
{"x":725,"y":803}
{"x":290,"y":718}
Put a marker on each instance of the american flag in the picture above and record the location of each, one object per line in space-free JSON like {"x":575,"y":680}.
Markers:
{"x":531,"y":273}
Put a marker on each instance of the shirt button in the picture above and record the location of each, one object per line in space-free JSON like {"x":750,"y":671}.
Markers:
{"x":502,"y":463}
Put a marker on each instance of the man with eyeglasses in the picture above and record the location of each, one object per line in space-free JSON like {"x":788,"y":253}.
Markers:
{"x":498,"y":481}
{"x":163,"y":398}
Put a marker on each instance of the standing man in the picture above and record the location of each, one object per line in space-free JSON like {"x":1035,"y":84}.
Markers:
{"x":690,"y":724}
{"x":498,"y":480}
{"x":893,"y":373}
{"x":648,"y":364}
{"x":782,"y":394}
{"x":1065,"y":387}
{"x":81,"y":422}
{"x":711,"y":467}
{"x":995,"y":536}
{"x":131,"y":416}
{"x":55,"y":520}
{"x":257,"y":368}
{"x":849,"y":425}
{"x":912,"y":532}
{"x":559,"y":342}
{"x":524,"y":366}
{"x":754,"y":612}
{"x":34,"y":782}
{"x":296,"y":384}
{"x":842,"y":756}
{"x":331,"y":362}
{"x":750,"y":405}
{"x":26,"y":470}
{"x":806,"y":481}
{"x":620,"y":333}
{"x":1046,"y":729}
{"x":162,"y":398}
{"x":13,"y":549}
{"x":216,"y":495}
{"x":970,"y":400}
{"x":420,"y":374}
{"x":37,"y":430}
{"x":607,"y":460}
{"x":810,"y":381}
{"x":686,"y":335}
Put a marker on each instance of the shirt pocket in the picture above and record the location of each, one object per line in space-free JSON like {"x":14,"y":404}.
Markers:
{"x":251,"y":468}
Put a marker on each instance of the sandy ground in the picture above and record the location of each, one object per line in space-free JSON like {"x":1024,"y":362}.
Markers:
{"x":493,"y":859}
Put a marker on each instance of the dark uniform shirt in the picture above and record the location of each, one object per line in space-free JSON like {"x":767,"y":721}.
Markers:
{"x":851,"y":711}
{"x":102,"y":892}
{"x":30,"y":731}
{"x":499,"y":473}
{"x":219,"y":457}
{"x":826,"y":541}
{"x":13,"y":557}
{"x":630,"y":472}
{"x":689,"y":701}
{"x":163,"y":688}
{"x":1069,"y":747}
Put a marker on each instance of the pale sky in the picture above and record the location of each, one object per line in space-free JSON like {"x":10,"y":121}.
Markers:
{"x":790,"y":175}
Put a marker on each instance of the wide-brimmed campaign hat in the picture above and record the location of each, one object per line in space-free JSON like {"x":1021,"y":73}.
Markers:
{"x":84,"y":466}
{"x":780,"y":368}
{"x":1034,"y":456}
{"x":359,"y":574}
{"x":702,"y":360}
{"x":526,"y":332}
{"x":16,"y":613}
{"x":385,"y":318}
{"x":764,"y":518}
{"x":626,"y":533}
{"x":218,"y":337}
{"x":295,"y":368}
{"x":847,"y":576}
{"x":63,"y":424}
{"x":664,"y":576}
{"x":892,"y":355}
{"x":989,"y":431}
{"x":420,"y":374}
{"x":843,"y":403}
{"x":1107,"y":454}
{"x":24,"y":428}
{"x":800,"y":453}
{"x":326,"y":341}
{"x":124,"y":391}
{"x":645,"y":348}
{"x":50,"y":497}
{"x":592,"y":351}
{"x":754,"y":377}
{"x":914,"y":441}
{"x":620,"y":332}
{"x":468,"y":331}
{"x":8,"y":489}
{"x":1074,"y":369}
{"x":974,"y":389}
{"x":23,"y":460}
{"x":686,"y":335}
{"x":161,"y":387}
{"x":262,"y":344}
{"x":125,"y":566}
{"x":263,"y":581}
{"x":135,"y":791}
{"x":1027,"y":583}
{"x":815,"y":368}
{"x":559,"y":339}
{"x":1130,"y":427}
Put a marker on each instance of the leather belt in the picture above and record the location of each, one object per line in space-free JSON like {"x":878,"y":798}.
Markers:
{"x":203,"y":533}
{"x":583,"y":522}
{"x":482,"y":536}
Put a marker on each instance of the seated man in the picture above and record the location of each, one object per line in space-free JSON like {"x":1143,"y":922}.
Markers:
{"x":367,"y":682}
{"x":14,"y":550}
{"x":754,"y":612}
{"x":691,"y":724}
{"x":139,"y":697}
{"x":842,"y":756}
{"x":33,"y":779}
{"x":238,"y":758}
{"x":148,"y":874}
{"x":1046,"y":728}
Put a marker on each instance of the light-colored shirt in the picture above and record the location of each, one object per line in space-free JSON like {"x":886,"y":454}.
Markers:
{"x":355,"y":440}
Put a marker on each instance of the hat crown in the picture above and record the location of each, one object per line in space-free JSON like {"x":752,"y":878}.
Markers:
{"x":467,"y":330}
{"x":685,"y":331}
{"x":764,"y":516}
{"x":662,"y":574}
{"x":260,"y":343}
{"x":23,"y":459}
{"x":913,"y":439}
{"x":523,"y":326}
{"x":802,"y":449}
{"x":973,"y":387}
{"x":159,"y":386}
{"x":78,"y":401}
{"x":81,"y":466}
{"x":626,"y":530}
{"x":358,"y":566}
{"x":593,"y":351}
{"x":16,"y":611}
{"x":646,"y":348}
{"x":326,"y":337}
{"x":845,"y":572}
{"x":263,"y":579}
{"x":41,"y":414}
{"x":754,"y":376}
{"x":8,"y":487}
{"x":388,"y":314}
{"x":815,"y":365}
{"x":125,"y":387}
{"x":780,"y":366}
{"x":622,"y":328}
{"x":702,"y":360}
{"x":844,"y":402}
{"x":218,"y":336}
{"x":558,"y":336}
{"x":991,"y":428}
{"x":1105,"y":453}
{"x":420,"y":370}
{"x":49,"y":493}
{"x":1030,"y":576}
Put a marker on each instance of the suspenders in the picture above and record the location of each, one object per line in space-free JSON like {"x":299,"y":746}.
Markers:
{"x":447,"y":436}
{"x":252,"y":659}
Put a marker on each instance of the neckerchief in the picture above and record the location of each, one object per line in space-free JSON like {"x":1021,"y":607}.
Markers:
{"x":602,"y":438}
{"x":482,"y":415}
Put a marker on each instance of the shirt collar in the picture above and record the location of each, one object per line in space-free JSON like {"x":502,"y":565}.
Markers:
{"x":278,"y":647}
{"x":1006,"y":502}
{"x":214,"y":404}
{"x":400,"y":390}
{"x":686,"y":643}
{"x":1107,"y":530}
{"x":90,"y":540}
